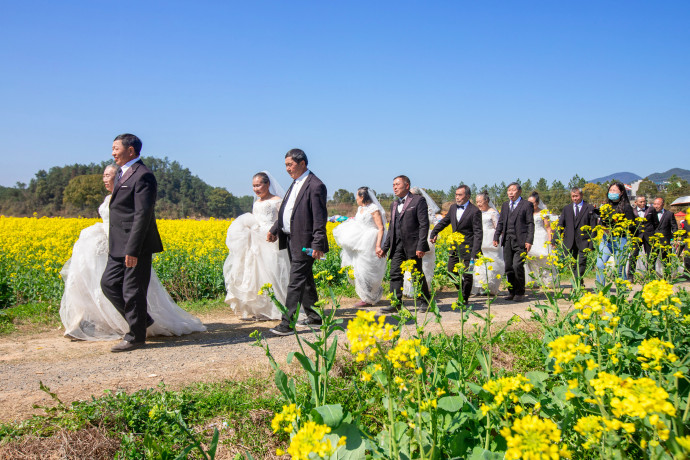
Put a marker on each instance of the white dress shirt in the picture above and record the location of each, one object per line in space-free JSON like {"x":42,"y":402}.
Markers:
{"x":513,"y":204}
{"x":290,"y":202}
{"x":577,"y":207}
{"x":128,"y":165}
{"x":402,"y":203}
{"x":659,"y":214}
{"x":640,"y":211}
{"x":460,"y":211}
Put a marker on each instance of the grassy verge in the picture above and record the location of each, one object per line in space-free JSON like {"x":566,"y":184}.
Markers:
{"x":115,"y":425}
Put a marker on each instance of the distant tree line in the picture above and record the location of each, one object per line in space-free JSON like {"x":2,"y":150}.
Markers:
{"x":77,"y":190}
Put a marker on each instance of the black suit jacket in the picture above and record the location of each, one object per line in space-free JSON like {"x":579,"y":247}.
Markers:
{"x":470,"y":225}
{"x":308,"y":220}
{"x":133,"y":230}
{"x":414,"y":226}
{"x":667,"y":226}
{"x":522,"y":218}
{"x":646,"y":228}
{"x":570,"y":227}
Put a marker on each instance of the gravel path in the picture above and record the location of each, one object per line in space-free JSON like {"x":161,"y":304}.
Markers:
{"x":76,"y":370}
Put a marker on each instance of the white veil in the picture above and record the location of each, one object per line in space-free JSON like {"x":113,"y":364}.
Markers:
{"x":431,"y":204}
{"x":274,"y":187}
{"x":372,"y":197}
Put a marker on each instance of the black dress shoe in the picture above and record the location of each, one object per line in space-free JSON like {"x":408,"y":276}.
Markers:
{"x":124,"y":345}
{"x":509,"y":297}
{"x":282,"y":330}
{"x":149,"y":322}
{"x":309,"y":323}
{"x":519,"y":298}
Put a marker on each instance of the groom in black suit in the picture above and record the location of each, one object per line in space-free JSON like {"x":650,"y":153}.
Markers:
{"x":573,"y":217}
{"x":406,"y":240}
{"x":516,"y":227}
{"x":301,"y":224}
{"x":465,"y":218}
{"x":133,"y":239}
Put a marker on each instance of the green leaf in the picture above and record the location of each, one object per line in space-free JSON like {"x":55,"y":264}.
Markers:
{"x":331,"y":415}
{"x":286,"y":387}
{"x":478,"y":453}
{"x":307,"y":364}
{"x":451,"y":403}
{"x":482,"y":361}
{"x":214,"y":443}
{"x":453,"y":371}
{"x":537,"y":377}
{"x":330,"y":354}
{"x":354,"y":447}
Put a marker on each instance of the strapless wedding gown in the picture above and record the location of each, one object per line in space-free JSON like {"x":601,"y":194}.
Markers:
{"x":539,"y":270}
{"x":357,"y":240}
{"x":483,"y":276}
{"x":252,"y":262}
{"x":87,"y":314}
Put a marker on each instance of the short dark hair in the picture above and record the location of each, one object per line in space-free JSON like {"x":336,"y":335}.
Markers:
{"x":297,"y":155}
{"x":577,"y":190}
{"x":130,"y":140}
{"x":363,"y":193}
{"x":404,"y":178}
{"x":263,"y":176}
{"x":663,"y":201}
{"x":468,"y":190}
{"x":519,"y":187}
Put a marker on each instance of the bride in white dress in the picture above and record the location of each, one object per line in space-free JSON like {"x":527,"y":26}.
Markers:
{"x":359,"y":239}
{"x":86,"y":313}
{"x":489,"y":220}
{"x":429,"y":259}
{"x":252,"y":261}
{"x":538,"y":269}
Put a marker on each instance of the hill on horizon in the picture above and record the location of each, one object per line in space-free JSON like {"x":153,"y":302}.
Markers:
{"x":625,"y":177}
{"x":661,"y":177}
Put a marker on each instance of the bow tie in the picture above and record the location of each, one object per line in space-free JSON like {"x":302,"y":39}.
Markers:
{"x":462,"y":206}
{"x":401,"y":200}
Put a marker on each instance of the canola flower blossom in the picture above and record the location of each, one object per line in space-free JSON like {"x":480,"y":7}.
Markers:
{"x":406,"y":352}
{"x":593,"y":427}
{"x":654,"y":352}
{"x":505,"y":389}
{"x":310,"y":440}
{"x":534,"y":438}
{"x":565,"y":348}
{"x":365,"y":331}
{"x":285,"y":420}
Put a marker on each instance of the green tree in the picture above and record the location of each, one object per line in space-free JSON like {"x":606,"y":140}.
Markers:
{"x":541,"y":186}
{"x":84,"y":192}
{"x":648,"y":189}
{"x":576,"y":181}
{"x":343,"y":196}
{"x":221,"y":203}
{"x":675,"y":188}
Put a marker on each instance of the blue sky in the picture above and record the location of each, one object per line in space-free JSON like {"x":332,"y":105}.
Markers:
{"x":444,"y":92}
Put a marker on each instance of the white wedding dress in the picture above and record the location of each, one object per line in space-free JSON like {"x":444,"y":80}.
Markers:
{"x":357,"y":240}
{"x":252,"y":262}
{"x":429,"y":259}
{"x":85,"y":311}
{"x":538,"y":270}
{"x":482,"y":275}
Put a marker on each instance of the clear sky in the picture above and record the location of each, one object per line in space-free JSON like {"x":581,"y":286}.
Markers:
{"x":443,"y":91}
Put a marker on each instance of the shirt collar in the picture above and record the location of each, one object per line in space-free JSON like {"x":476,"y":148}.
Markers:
{"x":129,"y":164}
{"x":303,"y":176}
{"x":517,"y":201}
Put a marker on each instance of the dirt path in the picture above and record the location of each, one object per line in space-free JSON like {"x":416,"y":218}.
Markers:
{"x":76,"y":370}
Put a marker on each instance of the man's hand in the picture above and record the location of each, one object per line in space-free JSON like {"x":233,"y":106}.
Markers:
{"x":433,"y":240}
{"x":420,"y":254}
{"x":130,"y":261}
{"x":316,"y":254}
{"x":528,"y":246}
{"x":270,"y":237}
{"x":495,"y":244}
{"x":380,"y":253}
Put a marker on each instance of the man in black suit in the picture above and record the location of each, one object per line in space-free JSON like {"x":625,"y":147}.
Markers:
{"x":516,"y":226}
{"x":465,"y":218}
{"x":301,"y":224}
{"x":132,"y":241}
{"x":406,"y":240}
{"x":573,"y":217}
{"x":665,"y":226}
{"x":643,"y":230}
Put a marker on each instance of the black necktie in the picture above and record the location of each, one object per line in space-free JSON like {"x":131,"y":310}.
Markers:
{"x":577,"y":210}
{"x":119,"y":176}
{"x":512,"y":206}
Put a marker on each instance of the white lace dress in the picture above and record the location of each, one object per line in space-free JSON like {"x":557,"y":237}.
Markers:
{"x":482,"y":275}
{"x":538,"y":270}
{"x":428,"y":262}
{"x":357,"y":240}
{"x":87,"y":314}
{"x":252,"y":262}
